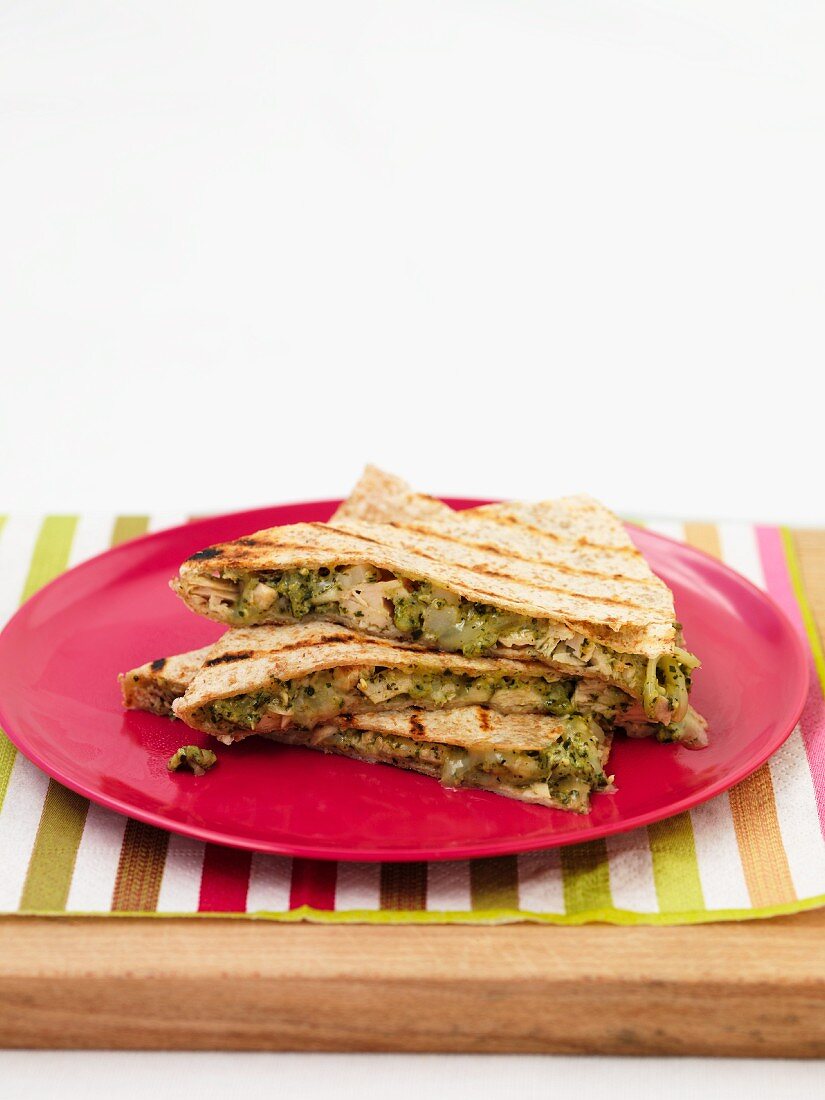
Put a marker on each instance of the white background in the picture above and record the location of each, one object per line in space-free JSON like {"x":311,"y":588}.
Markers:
{"x":501,"y":247}
{"x":498,"y":246}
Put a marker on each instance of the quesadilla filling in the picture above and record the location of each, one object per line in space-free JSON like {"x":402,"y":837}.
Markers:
{"x":309,"y":700}
{"x":379,"y":602}
{"x":564,"y":771}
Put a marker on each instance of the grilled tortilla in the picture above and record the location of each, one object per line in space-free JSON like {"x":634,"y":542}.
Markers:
{"x":259,"y":678}
{"x":267,"y":678}
{"x":558,"y":582}
{"x":542,"y":758}
{"x":380,"y":497}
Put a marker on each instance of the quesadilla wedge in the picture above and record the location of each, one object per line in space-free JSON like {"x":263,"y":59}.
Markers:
{"x":551,"y":761}
{"x":381,"y":497}
{"x":559,"y":583}
{"x":267,"y":678}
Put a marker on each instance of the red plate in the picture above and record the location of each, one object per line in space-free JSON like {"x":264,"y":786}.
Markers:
{"x":60,"y":656}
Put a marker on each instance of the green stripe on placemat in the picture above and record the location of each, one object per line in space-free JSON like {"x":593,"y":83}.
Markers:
{"x":49,"y":875}
{"x":129,"y":527}
{"x":55,"y":850}
{"x":805,"y":610}
{"x":49,"y":558}
{"x":586,"y":877}
{"x":51,"y":552}
{"x":675,"y":867}
{"x":7,"y":755}
{"x":494,"y":883}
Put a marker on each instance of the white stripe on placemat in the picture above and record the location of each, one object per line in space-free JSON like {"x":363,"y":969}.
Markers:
{"x":92,"y":535}
{"x":181,"y":883}
{"x":798,"y":816}
{"x":270,"y":879}
{"x":160,"y":521}
{"x":717,"y":853}
{"x":740,"y":551}
{"x":632,"y":885}
{"x":98,"y":855}
{"x":448,"y":887}
{"x":358,"y":886}
{"x":671,"y":528}
{"x":540,"y":885}
{"x":19,"y":822}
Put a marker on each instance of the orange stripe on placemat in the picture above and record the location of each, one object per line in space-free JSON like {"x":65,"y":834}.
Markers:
{"x":704,"y":536}
{"x":753,"y":804}
{"x":313,"y":883}
{"x":494,"y":883}
{"x":403,"y":886}
{"x":140,"y":868}
{"x":764,"y":860}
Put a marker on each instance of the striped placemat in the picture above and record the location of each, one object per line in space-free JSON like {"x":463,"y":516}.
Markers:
{"x":756,"y":851}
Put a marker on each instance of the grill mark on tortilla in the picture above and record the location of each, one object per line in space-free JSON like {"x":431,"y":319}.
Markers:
{"x":646,"y":615}
{"x":228,"y":658}
{"x":157,"y":665}
{"x":417,"y":727}
{"x":204,"y":555}
{"x":304,"y":644}
{"x":481,"y":571}
{"x":487,"y":572}
{"x":484,"y":720}
{"x":511,"y":552}
{"x":581,"y":540}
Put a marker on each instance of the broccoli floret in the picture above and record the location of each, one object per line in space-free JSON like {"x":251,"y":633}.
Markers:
{"x":192,"y":756}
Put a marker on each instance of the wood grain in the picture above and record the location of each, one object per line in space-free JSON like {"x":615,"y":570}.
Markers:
{"x":755,"y":988}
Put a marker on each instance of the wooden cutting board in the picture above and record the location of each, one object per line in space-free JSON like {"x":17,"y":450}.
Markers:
{"x":754,"y":988}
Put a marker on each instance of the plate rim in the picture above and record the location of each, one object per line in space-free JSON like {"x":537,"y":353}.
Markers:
{"x":481,"y":849}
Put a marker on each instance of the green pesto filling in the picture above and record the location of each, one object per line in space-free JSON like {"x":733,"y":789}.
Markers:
{"x":320,"y":696}
{"x":570,"y":767}
{"x":193,"y":757}
{"x":419,"y":612}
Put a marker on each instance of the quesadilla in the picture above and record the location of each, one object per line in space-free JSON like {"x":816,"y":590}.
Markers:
{"x":558,"y":582}
{"x":381,"y":497}
{"x":539,"y":758}
{"x":266,"y":678}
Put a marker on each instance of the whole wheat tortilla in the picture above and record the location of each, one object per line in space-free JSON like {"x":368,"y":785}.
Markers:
{"x":246,"y":660}
{"x":605,"y":591}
